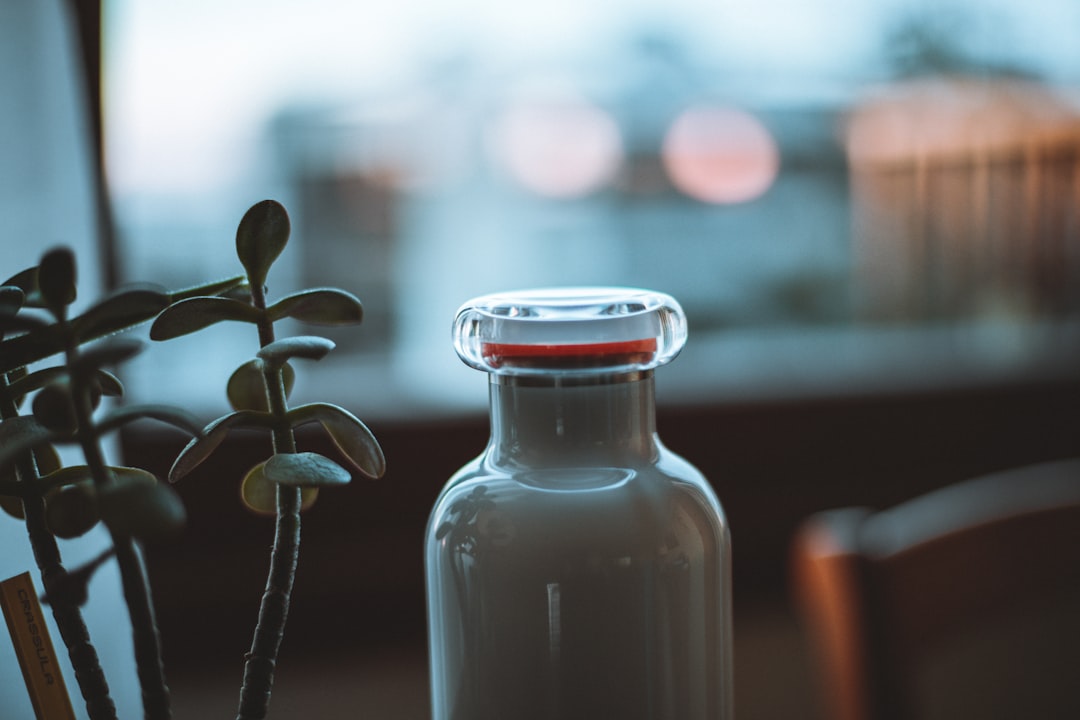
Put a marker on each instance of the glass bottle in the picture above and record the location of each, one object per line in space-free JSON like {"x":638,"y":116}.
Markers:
{"x":577,"y":569}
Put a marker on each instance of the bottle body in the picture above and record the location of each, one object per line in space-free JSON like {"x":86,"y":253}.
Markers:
{"x":577,"y":568}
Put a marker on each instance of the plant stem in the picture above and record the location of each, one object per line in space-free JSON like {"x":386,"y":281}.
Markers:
{"x":136,"y":587}
{"x":69,"y":619}
{"x":261,"y":659}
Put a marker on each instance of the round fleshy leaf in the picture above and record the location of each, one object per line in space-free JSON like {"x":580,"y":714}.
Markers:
{"x":24,"y":323}
{"x":11,"y":301}
{"x":176,"y":417}
{"x":349,"y":434}
{"x":308,"y":347}
{"x":305,"y":469}
{"x":247,"y":389}
{"x":13,"y":506}
{"x":139,"y":506}
{"x":108,"y":384}
{"x":112,"y":351}
{"x":32,"y":346}
{"x":22,"y":433}
{"x":12,"y":298}
{"x":71,"y":510}
{"x":47,"y":459}
{"x":260,"y":238}
{"x":10,"y":503}
{"x":53,"y":408}
{"x":259,"y":493}
{"x":123,"y":309}
{"x":71,"y":587}
{"x":13,"y":376}
{"x":188,"y":316}
{"x":60,"y":477}
{"x":217,"y":287}
{"x":26,"y":281}
{"x":56,"y":279}
{"x":200,"y":447}
{"x":241,"y":292}
{"x":320,"y":306}
{"x":36,"y":380}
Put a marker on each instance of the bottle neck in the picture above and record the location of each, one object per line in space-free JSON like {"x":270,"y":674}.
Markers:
{"x":550,"y":422}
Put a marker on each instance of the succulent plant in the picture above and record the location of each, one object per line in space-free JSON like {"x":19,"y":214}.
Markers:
{"x":66,"y":502}
{"x":258,"y":391}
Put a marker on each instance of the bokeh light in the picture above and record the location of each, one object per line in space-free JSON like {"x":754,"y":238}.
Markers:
{"x":720,"y":155}
{"x":558,"y":147}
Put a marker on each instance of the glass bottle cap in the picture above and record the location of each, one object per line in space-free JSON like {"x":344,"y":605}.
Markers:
{"x":570,"y":331}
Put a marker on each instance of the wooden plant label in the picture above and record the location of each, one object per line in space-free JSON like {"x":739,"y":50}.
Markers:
{"x":34,"y":648}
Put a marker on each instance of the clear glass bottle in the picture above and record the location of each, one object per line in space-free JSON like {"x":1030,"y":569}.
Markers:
{"x":577,"y":569}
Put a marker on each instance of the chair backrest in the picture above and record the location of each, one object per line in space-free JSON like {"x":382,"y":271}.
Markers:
{"x":964,"y":602}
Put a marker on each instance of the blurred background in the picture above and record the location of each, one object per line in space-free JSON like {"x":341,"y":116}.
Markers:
{"x":870,"y":212}
{"x":841,"y":194}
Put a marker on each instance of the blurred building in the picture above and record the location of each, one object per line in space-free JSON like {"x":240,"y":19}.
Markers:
{"x":660,"y":175}
{"x":966,"y":201}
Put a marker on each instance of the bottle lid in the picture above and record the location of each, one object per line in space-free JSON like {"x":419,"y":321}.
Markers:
{"x":569,"y":331}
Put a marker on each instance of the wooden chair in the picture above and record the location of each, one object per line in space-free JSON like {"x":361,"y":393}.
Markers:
{"x":964,"y":602}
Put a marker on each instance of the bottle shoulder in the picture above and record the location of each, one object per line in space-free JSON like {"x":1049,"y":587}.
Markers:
{"x":668,"y":481}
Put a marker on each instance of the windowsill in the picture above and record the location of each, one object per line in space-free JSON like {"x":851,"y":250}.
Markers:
{"x":733,"y":366}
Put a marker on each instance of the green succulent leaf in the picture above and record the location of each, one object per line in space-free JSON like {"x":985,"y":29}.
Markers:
{"x":123,"y":309}
{"x":137,"y":505}
{"x":101,"y":383}
{"x":12,"y":321}
{"x":47,"y":459}
{"x":56,"y":279}
{"x":13,"y":506}
{"x":22,"y":323}
{"x":12,"y":298}
{"x":53,"y":407}
{"x":35,"y":381}
{"x":25,"y":280}
{"x":10,"y":377}
{"x":188,"y":316}
{"x":97,"y":322}
{"x":110,"y":351}
{"x":259,"y":493}
{"x":305,"y":469}
{"x":212,"y":435}
{"x":70,"y":475}
{"x":19,"y":434}
{"x":213,"y":288}
{"x":12,"y":489}
{"x":176,"y":417}
{"x":260,"y":238}
{"x":11,"y":301}
{"x":11,"y":493}
{"x":309,"y":347}
{"x":109,"y":384}
{"x":72,"y":587}
{"x":349,"y":434}
{"x":320,"y":306}
{"x":72,"y":510}
{"x":30,"y":347}
{"x":247,"y":389}
{"x":241,"y":292}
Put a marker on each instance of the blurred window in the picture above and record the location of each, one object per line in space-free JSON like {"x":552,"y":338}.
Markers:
{"x":846,"y":197}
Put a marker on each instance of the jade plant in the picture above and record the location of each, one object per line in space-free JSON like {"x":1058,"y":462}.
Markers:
{"x":258,"y":391}
{"x":66,"y":502}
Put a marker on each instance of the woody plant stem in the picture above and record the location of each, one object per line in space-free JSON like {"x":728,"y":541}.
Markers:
{"x":261,"y":659}
{"x":136,"y":588}
{"x":69,"y":620}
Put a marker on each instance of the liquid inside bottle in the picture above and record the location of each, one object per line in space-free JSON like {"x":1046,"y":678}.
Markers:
{"x":577,"y":568}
